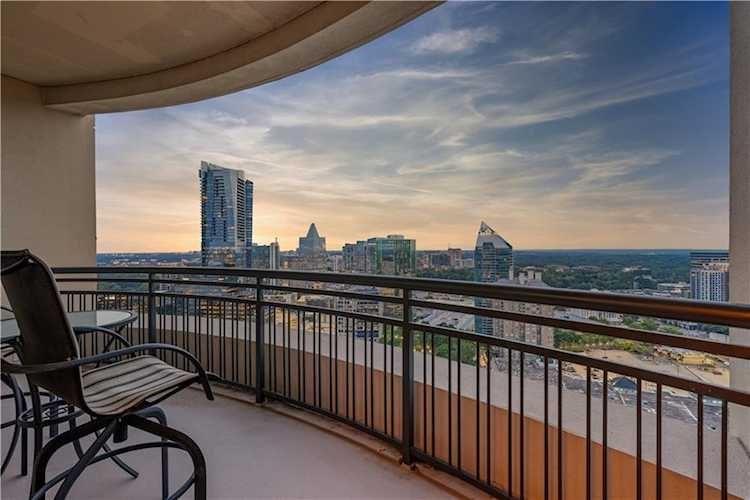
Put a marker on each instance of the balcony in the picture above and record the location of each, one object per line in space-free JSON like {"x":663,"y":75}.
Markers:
{"x":253,"y":452}
{"x":382,"y":373}
{"x":504,"y":416}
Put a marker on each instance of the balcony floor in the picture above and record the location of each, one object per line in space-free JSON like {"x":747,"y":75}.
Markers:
{"x":251,"y":452}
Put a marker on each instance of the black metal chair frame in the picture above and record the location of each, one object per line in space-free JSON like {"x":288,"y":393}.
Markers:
{"x":103,"y":426}
{"x":23,"y":417}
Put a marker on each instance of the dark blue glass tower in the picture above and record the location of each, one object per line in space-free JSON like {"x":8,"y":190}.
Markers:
{"x":493,"y":261}
{"x":226,"y":217}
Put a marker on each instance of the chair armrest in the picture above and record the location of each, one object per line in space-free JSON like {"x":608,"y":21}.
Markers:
{"x":113,"y":335}
{"x":78,"y":362}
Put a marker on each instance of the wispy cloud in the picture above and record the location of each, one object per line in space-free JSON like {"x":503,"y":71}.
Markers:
{"x":455,"y":41}
{"x":563,"y":56}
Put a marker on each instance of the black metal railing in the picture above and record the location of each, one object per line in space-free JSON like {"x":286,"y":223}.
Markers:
{"x":517,"y":419}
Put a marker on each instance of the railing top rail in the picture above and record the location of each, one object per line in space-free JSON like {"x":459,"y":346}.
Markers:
{"x":677,"y":309}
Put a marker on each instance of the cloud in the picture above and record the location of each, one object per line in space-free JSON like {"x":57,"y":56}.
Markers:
{"x":454,"y":41}
{"x":379,"y":142}
{"x":564,"y":56}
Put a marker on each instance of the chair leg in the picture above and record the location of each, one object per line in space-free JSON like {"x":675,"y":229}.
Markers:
{"x":36,"y":407}
{"x":42,"y":460}
{"x":77,"y":443}
{"x":24,"y":451}
{"x":167,"y":433}
{"x":158,"y":414}
{"x":79,"y":467}
{"x":121,"y":464}
{"x":24,"y":439}
{"x":17,"y":394}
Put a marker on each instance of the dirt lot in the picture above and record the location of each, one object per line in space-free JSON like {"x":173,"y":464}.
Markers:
{"x":658,"y":364}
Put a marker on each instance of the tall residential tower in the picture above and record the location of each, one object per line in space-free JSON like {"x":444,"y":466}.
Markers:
{"x":709,"y":275}
{"x":226,"y":217}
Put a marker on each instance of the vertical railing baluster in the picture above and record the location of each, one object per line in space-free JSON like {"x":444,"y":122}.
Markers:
{"x":407,"y":380}
{"x":432,"y":395}
{"x":605,"y":472}
{"x":658,"y":439}
{"x":510,"y":422}
{"x":546,"y":427}
{"x":477,"y":445}
{"x":639,"y":439}
{"x":458,"y":404}
{"x":588,"y":433}
{"x":521,"y":426}
{"x":488,"y":408}
{"x":259,"y":368}
{"x":700,"y":447}
{"x":151,"y":310}
{"x":450,"y":401}
{"x":560,"y":493}
{"x":724,"y":451}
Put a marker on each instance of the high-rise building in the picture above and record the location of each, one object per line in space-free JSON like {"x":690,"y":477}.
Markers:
{"x":524,"y":332}
{"x":226,"y":217}
{"x":709,"y":275}
{"x":313,"y":244}
{"x":456,"y":257}
{"x":710,"y":282}
{"x":394,"y":255}
{"x":355,"y":257}
{"x":700,"y":257}
{"x":311,"y":254}
{"x":267,"y":256}
{"x":493,"y":261}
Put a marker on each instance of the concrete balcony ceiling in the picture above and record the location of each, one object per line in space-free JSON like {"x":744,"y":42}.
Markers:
{"x":100,"y":57}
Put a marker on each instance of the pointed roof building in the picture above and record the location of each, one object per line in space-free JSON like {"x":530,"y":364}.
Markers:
{"x":487,"y":235}
{"x":493,"y":263}
{"x":312,"y":244}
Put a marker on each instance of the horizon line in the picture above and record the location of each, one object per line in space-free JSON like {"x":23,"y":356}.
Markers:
{"x":467,"y":249}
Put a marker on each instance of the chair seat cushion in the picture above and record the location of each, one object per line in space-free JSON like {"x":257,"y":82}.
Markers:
{"x":115,"y":388}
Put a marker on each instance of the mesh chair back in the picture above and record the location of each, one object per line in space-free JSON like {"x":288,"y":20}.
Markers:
{"x":46,"y":334}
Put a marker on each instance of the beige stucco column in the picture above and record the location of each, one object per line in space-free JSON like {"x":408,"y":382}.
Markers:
{"x":47,"y":177}
{"x":739,"y":201}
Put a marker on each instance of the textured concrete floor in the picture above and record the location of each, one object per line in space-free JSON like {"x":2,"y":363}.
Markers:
{"x":251,"y":453}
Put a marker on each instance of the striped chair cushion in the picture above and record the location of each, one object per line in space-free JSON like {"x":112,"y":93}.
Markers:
{"x":8,"y":353}
{"x":115,"y":388}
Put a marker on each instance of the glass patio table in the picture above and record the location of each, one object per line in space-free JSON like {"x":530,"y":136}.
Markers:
{"x":112,"y":319}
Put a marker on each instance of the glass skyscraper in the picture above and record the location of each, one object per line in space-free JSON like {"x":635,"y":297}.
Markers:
{"x":393,"y":255}
{"x":493,"y":261}
{"x":226,"y":217}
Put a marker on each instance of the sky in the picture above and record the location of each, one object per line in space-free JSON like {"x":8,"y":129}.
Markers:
{"x":563,"y":125}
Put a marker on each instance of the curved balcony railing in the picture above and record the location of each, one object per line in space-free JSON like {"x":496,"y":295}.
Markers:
{"x":511,"y":414}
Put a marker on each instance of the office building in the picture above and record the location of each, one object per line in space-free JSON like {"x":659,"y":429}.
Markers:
{"x":226,"y":217}
{"x":267,"y":256}
{"x":393,"y":255}
{"x":313,"y":244}
{"x":355,"y":257}
{"x":493,"y":261}
{"x":311,"y":253}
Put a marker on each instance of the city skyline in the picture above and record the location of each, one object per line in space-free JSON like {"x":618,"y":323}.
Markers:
{"x":514,"y":113}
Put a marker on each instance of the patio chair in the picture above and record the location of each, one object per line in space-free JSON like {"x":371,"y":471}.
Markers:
{"x":118,"y":392}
